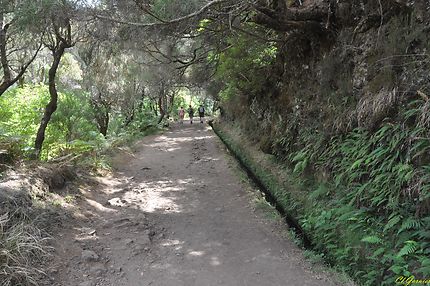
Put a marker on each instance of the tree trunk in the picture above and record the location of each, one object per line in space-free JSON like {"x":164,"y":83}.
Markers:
{"x":21,"y":81}
{"x":4,"y":84}
{"x":8,"y":80}
{"x":141,"y":106}
{"x":171,"y":104}
{"x":130,"y":117}
{"x":153,"y":107}
{"x":3,"y":53}
{"x":42,"y":75}
{"x":161,"y":107}
{"x":102,"y":117}
{"x":104,"y":124}
{"x":52,"y":105}
{"x":102,"y":110}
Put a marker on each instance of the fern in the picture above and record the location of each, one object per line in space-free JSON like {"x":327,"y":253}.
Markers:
{"x":410,"y":223}
{"x":424,"y":234}
{"x":392,"y":222}
{"x":319,"y":192}
{"x":409,"y":247}
{"x":378,"y":186}
{"x":397,"y":269}
{"x":356,"y":164}
{"x":300,"y":167}
{"x":425,"y":267}
{"x":372,"y":239}
{"x":378,"y":252}
{"x":299,"y":156}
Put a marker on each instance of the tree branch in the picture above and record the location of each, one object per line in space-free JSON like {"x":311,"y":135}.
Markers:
{"x":165,"y":22}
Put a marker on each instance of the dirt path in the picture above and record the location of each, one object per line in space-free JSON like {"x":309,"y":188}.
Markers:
{"x":175,"y":214}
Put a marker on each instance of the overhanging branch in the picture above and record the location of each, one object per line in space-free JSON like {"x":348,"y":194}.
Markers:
{"x":165,"y":22}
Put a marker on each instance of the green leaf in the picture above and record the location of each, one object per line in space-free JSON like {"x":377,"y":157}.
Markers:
{"x":410,"y":223}
{"x":392,"y":222}
{"x":372,"y":239}
{"x":378,"y":252}
{"x":409,"y":247}
{"x":397,"y":269}
{"x":356,"y":164}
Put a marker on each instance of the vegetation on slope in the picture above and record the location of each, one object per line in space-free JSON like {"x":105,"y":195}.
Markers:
{"x":373,"y":244}
{"x":347,"y":116}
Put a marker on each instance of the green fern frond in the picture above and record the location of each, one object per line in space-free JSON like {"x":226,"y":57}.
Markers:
{"x":392,"y":222}
{"x":372,"y":239}
{"x":409,"y":247}
{"x":410,"y":223}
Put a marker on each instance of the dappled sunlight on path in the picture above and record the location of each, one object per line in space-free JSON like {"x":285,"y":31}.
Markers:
{"x":175,"y":214}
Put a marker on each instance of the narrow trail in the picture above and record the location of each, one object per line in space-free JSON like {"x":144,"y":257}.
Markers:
{"x":173,"y":214}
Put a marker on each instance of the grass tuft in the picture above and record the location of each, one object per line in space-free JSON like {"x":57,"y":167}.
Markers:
{"x":21,"y":246}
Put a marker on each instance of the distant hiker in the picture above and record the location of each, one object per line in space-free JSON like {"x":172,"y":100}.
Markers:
{"x":201,"y":113}
{"x":191,"y":113}
{"x":181,"y":115}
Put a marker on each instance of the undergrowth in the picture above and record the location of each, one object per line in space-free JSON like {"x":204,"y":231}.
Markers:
{"x":376,"y":217}
{"x":23,"y":238}
{"x":370,"y":215}
{"x":72,"y":130}
{"x":21,"y":245}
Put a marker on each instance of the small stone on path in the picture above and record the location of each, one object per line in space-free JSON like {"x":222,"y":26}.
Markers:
{"x":89,"y":255}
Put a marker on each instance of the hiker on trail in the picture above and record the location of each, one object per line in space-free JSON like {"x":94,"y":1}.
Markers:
{"x":201,"y":113}
{"x":181,"y":115}
{"x":191,"y":113}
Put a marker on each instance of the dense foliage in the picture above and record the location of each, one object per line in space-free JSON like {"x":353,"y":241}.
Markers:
{"x":349,"y":124}
{"x":375,"y":241}
{"x":73,"y":127}
{"x":373,"y":211}
{"x":21,"y":110}
{"x":243,"y":67}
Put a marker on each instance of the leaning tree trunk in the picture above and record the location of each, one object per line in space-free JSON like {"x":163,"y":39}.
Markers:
{"x":8,"y":78}
{"x":52,"y":105}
